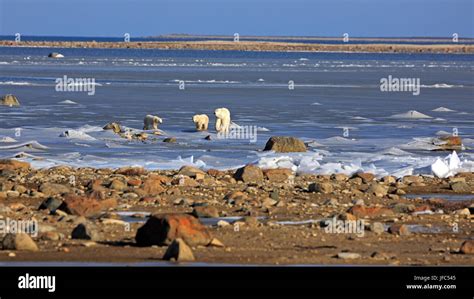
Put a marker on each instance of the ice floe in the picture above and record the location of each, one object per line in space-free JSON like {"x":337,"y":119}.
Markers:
{"x":412,"y":114}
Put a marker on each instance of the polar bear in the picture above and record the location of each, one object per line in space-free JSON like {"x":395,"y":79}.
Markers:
{"x":201,"y":121}
{"x":222,"y":120}
{"x":151,"y":122}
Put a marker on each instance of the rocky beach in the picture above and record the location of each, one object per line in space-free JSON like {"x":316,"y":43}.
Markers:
{"x":243,"y":216}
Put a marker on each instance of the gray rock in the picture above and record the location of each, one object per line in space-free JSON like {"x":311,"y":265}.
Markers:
{"x":179,"y":251}
{"x":19,"y":241}
{"x":85,"y":231}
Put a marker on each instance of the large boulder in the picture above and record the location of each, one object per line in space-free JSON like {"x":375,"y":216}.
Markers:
{"x":18,"y":241}
{"x":9,"y":100}
{"x":164,"y":229}
{"x":249,"y":174}
{"x":86,"y":206}
{"x":284,"y":144}
{"x":13,"y":165}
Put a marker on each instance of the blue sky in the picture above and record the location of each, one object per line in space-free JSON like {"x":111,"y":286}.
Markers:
{"x":382,"y":18}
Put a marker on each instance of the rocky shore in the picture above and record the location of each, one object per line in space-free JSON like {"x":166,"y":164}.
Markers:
{"x":244,"y":216}
{"x":252,"y":46}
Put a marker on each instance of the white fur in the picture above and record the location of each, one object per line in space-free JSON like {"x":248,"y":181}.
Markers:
{"x":201,"y":121}
{"x":151,"y":122}
{"x":222,"y":120}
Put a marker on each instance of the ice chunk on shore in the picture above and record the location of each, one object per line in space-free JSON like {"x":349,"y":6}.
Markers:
{"x":7,"y":139}
{"x":442,"y":109}
{"x":412,"y":114}
{"x":68,"y":102}
{"x":75,"y":134}
{"x":446,"y":167}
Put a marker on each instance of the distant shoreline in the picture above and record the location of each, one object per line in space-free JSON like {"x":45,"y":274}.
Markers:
{"x":263,"y":46}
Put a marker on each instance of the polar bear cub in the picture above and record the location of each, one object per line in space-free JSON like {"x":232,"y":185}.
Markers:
{"x":222,"y":120}
{"x":201,"y":121}
{"x":151,"y":122}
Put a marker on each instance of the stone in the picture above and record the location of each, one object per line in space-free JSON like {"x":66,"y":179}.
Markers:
{"x":389,"y":179}
{"x":339,"y":177}
{"x":403,"y":208}
{"x":377,"y":227}
{"x":9,"y":100}
{"x":216,"y":243}
{"x":152,"y":185}
{"x":467,"y":247}
{"x":321,"y":187}
{"x":13,"y":165}
{"x":448,"y":143}
{"x":377,"y":189}
{"x":348,"y":255}
{"x":18,"y":241}
{"x":51,"y":236}
{"x":85,"y":231}
{"x":268,"y":202}
{"x":179,"y":251}
{"x":399,"y":229}
{"x":222,"y":223}
{"x":366,"y":177}
{"x":118,"y":185}
{"x":279,"y":175}
{"x":130,"y":171}
{"x":462,"y":212}
{"x":205,"y":212}
{"x":364,"y":211}
{"x":412,"y":179}
{"x":460,"y":187}
{"x":115,"y":127}
{"x":170,"y":140}
{"x":284,"y":144}
{"x":50,"y":189}
{"x":13,"y":194}
{"x":190,"y":171}
{"x":249,"y":174}
{"x":85,"y":206}
{"x":55,"y":55}
{"x":163,"y":229}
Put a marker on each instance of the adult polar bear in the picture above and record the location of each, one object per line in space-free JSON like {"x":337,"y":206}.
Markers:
{"x":222,"y":120}
{"x":201,"y":121}
{"x":151,"y":122}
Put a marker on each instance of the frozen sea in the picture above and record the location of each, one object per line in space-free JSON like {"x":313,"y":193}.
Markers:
{"x":336,"y":106}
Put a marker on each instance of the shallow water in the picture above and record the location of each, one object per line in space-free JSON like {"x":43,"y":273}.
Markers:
{"x":333,"y":91}
{"x":450,"y":197}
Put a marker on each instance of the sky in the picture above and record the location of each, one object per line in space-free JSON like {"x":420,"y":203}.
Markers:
{"x":364,"y":18}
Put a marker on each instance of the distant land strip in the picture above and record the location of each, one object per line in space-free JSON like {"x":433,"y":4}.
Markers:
{"x":251,"y":46}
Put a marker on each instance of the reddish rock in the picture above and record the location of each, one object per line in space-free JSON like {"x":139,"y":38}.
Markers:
{"x":467,"y":247}
{"x":278,"y":175}
{"x":152,"y":185}
{"x":363,"y":211}
{"x":249,"y":174}
{"x":86,"y":206}
{"x":164,"y":229}
{"x":214,"y":172}
{"x":448,"y":142}
{"x":134,"y":182}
